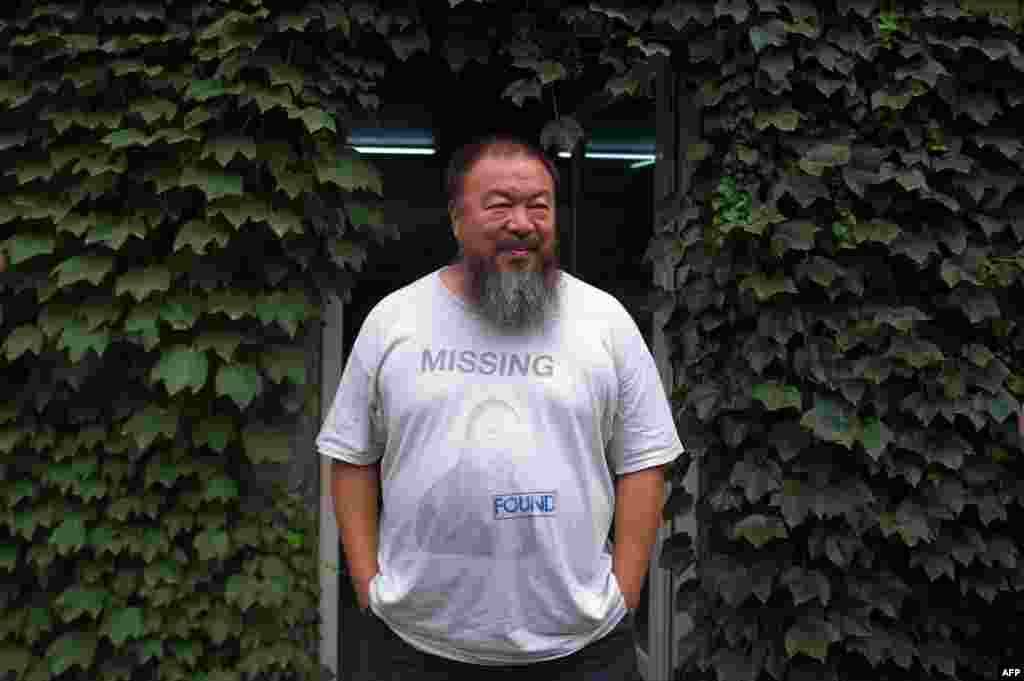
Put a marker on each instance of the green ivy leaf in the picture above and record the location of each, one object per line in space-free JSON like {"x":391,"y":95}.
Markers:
{"x":224,"y":343}
{"x":770,"y":33}
{"x":202,"y":90}
{"x":126,"y":623}
{"x":288,"y":308}
{"x":220,"y":488}
{"x":875,"y":230}
{"x":235,"y":304}
{"x":270,"y":98}
{"x":128,"y":137}
{"x":224,"y":149}
{"x":212,"y":543}
{"x":550,"y":71}
{"x":776,"y":396}
{"x":265,"y":445}
{"x":91,"y":268}
{"x":765,"y":287}
{"x":145,"y":426}
{"x":155,"y":108}
{"x":22,"y":246}
{"x":755,"y":480}
{"x":180,"y":367}
{"x":806,"y":585}
{"x":143,"y":283}
{"x":15,"y":658}
{"x":916,"y":352}
{"x":240,"y":382}
{"x":241,"y":590}
{"x":150,"y":649}
{"x":350,"y":174}
{"x":794,"y":501}
{"x":783,"y":119}
{"x":1001,"y":406}
{"x":822,"y":156}
{"x":909,"y":522}
{"x":282,"y":362}
{"x":71,"y":649}
{"x":214,"y":432}
{"x":313,"y":118}
{"x":793,"y":235}
{"x":24,"y":338}
{"x":214,"y":183}
{"x":811,"y":636}
{"x":181,"y":312}
{"x":876,"y":437}
{"x":759,"y":529}
{"x":518,"y":91}
{"x":116,"y":233}
{"x":830,"y":421}
{"x":69,"y":535}
{"x":78,"y":599}
{"x":77,"y":339}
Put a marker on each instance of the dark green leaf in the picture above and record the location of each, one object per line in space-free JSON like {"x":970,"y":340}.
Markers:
{"x":756,"y":480}
{"x":677,"y":553}
{"x":24,"y":246}
{"x":75,"y":648}
{"x":759,"y":529}
{"x":788,"y":438}
{"x":769,"y":33}
{"x":202,"y":90}
{"x":831,"y":421}
{"x":679,"y":502}
{"x":811,"y":636}
{"x":124,"y":624}
{"x":806,"y":584}
{"x":240,"y":382}
{"x":266,"y":445}
{"x":794,"y":500}
{"x":214,"y":183}
{"x":145,"y":426}
{"x":520,"y":90}
{"x":181,"y":367}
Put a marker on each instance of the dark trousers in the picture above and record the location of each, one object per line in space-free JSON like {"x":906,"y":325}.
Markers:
{"x":611,"y":658}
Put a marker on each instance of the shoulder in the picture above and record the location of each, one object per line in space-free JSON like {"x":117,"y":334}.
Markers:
{"x":586,"y":302}
{"x":396,"y":305}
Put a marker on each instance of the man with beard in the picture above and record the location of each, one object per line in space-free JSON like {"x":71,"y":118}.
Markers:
{"x":509,"y":409}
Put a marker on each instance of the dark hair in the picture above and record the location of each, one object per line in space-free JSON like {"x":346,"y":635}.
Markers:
{"x":500,"y":144}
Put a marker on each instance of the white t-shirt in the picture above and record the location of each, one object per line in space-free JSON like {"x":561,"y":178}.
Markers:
{"x":498,"y":453}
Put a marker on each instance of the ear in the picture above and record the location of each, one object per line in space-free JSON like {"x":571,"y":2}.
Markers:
{"x":456,"y":222}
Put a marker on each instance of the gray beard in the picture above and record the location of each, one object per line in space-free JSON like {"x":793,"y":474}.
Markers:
{"x":516,"y":300}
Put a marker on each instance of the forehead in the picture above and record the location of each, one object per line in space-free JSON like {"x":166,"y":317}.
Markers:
{"x":511,"y":173}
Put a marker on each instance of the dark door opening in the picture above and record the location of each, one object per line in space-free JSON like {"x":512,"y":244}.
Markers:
{"x":614,"y":227}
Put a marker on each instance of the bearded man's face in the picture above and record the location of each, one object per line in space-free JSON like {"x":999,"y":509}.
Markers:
{"x":505,"y":224}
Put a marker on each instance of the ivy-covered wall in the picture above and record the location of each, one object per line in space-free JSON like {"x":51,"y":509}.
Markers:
{"x":177,"y":203}
{"x":849,"y":341}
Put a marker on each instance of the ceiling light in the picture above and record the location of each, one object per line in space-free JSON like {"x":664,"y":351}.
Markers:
{"x":619,"y":156}
{"x":404,"y":151}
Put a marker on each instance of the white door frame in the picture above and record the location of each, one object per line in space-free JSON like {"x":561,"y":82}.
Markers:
{"x":331,"y":366}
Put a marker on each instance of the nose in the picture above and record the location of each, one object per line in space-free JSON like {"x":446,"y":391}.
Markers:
{"x":519,"y":221}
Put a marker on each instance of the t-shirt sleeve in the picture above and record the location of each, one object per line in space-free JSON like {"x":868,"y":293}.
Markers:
{"x":353,"y":430}
{"x":644,"y":431}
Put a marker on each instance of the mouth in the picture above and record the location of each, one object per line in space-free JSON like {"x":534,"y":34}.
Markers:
{"x":517,"y":252}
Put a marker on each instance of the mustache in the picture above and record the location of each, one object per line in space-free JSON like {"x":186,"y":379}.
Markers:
{"x":516,"y":246}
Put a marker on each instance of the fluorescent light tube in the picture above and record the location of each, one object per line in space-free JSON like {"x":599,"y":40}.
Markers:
{"x":619,"y":156}
{"x":409,"y":151}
